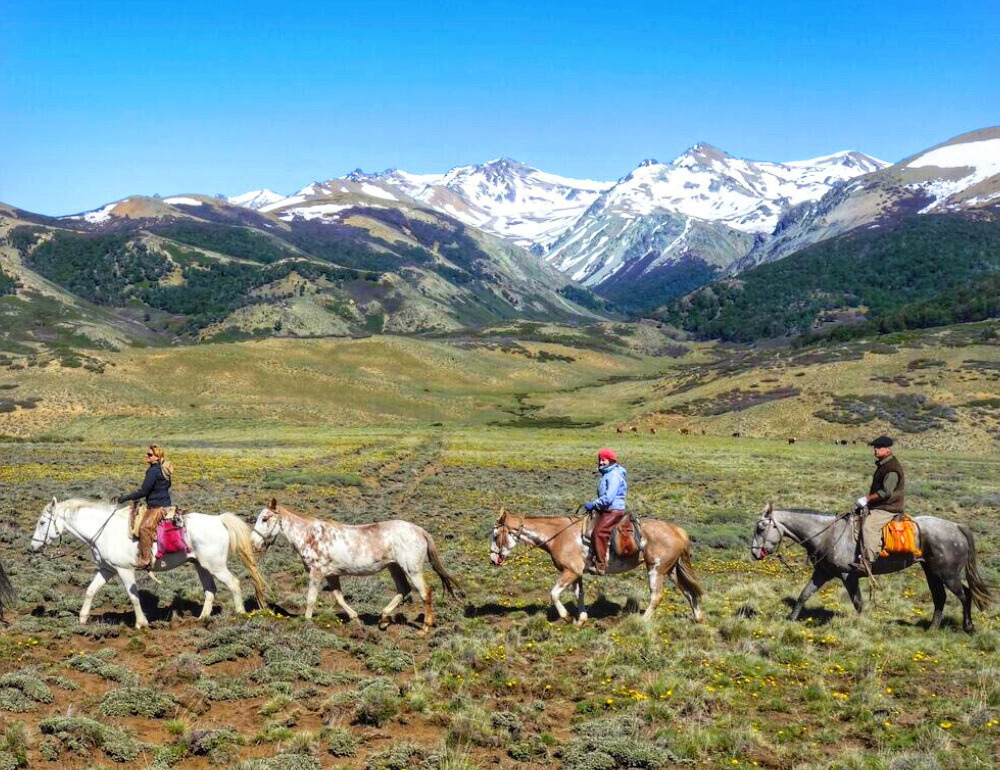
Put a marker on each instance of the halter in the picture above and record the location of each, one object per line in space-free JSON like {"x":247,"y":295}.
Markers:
{"x":267,"y":540}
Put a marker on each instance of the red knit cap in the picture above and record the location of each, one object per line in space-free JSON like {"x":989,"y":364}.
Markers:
{"x":607,"y":454}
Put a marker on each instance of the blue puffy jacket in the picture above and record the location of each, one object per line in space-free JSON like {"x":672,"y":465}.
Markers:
{"x":155,"y":489}
{"x":611,"y":489}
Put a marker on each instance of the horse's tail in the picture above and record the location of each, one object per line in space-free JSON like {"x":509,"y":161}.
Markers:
{"x":980,"y":588}
{"x":7,"y":592}
{"x":684,"y":572}
{"x":240,"y":544}
{"x":450,"y":584}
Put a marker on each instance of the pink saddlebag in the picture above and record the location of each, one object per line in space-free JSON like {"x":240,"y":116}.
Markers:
{"x":169,"y":538}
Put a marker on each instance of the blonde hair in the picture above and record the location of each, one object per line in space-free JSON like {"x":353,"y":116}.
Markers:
{"x":166,"y":466}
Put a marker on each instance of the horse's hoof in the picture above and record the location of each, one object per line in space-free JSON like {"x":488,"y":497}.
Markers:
{"x":383,"y":624}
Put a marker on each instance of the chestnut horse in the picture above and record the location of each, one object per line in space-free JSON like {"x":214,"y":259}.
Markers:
{"x":666,"y":551}
{"x":329,"y":549}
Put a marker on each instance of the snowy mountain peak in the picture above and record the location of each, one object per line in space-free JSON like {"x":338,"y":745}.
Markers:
{"x":255,"y":199}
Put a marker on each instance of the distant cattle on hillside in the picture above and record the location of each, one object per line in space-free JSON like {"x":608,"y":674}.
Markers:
{"x":791,"y":439}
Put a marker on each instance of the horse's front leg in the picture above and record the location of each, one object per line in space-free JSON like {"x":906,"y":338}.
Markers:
{"x":127,"y":576}
{"x":817,"y":581}
{"x":581,"y":607}
{"x":103,"y":575}
{"x":565,"y":580}
{"x":312,"y":592}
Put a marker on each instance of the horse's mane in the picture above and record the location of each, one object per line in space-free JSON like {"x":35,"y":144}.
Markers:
{"x":74,"y":504}
{"x":809,"y":511}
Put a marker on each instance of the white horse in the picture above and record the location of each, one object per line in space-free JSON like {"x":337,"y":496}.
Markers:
{"x":104,"y":528}
{"x":329,"y":549}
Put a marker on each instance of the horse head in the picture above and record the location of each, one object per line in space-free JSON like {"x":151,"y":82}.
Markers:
{"x":502,"y":540}
{"x":50,"y":526}
{"x":766,"y":535}
{"x":267,"y":526}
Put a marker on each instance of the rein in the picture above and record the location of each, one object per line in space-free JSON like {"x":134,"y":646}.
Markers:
{"x":574,"y":519}
{"x":783,"y":531}
{"x":76,"y":549}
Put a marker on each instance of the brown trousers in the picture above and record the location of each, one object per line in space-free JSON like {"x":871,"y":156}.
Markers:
{"x":871,"y":531}
{"x":602,"y":534}
{"x":147,"y":534}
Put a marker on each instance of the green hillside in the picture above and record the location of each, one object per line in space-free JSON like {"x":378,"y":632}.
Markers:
{"x":919,"y":272}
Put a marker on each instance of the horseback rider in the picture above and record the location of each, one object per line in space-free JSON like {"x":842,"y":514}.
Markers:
{"x":156,"y":491}
{"x":610,"y":505}
{"x":884,"y":501}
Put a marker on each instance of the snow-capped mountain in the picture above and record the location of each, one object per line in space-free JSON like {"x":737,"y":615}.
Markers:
{"x":256,"y":199}
{"x":960,"y":175}
{"x":705,"y":205}
{"x":503,"y":197}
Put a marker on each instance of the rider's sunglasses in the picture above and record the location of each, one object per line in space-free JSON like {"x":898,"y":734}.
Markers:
{"x":150,"y":454}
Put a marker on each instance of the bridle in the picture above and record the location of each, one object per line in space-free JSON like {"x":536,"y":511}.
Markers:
{"x":268,"y":540}
{"x":502,"y":526}
{"x":84,"y":541}
{"x":785,"y":532}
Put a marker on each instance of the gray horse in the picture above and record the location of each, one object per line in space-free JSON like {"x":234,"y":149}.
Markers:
{"x":830,"y":544}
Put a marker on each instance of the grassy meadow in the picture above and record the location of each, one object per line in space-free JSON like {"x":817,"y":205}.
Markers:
{"x":443,"y":435}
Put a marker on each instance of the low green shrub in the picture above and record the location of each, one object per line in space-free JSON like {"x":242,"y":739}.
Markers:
{"x":137,"y":701}
{"x":340,"y":743}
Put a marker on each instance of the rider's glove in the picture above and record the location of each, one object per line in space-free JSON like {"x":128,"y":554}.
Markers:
{"x":589,"y":506}
{"x":121,"y":499}
{"x":863,"y":502}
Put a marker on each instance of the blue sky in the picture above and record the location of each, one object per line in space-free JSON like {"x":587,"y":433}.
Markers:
{"x":101,"y":100}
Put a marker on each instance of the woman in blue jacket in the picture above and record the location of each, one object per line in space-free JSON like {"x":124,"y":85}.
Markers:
{"x":610,"y":505}
{"x":155,"y":490}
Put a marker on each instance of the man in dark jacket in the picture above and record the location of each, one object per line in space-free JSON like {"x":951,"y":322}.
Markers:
{"x":885,"y":499}
{"x":156,"y":491}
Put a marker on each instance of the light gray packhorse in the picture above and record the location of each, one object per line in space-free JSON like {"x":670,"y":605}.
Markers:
{"x":830,"y":543}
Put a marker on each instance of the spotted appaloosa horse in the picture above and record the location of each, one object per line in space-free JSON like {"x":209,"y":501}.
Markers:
{"x":948,"y":551}
{"x":329,"y":549}
{"x":666,"y":551}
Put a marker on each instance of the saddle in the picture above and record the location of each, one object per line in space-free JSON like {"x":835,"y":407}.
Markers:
{"x":901,"y":536}
{"x":138,"y":510}
{"x":626,"y":535}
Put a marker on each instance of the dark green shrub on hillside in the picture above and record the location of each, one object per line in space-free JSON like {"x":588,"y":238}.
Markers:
{"x":8,"y":284}
{"x":910,"y":413}
{"x":232,"y":241}
{"x":101,"y":268}
{"x":923,"y":271}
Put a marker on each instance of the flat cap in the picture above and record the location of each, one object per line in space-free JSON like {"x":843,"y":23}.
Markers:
{"x":880,"y":442}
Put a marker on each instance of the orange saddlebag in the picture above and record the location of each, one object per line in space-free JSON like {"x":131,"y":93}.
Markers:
{"x":901,"y":537}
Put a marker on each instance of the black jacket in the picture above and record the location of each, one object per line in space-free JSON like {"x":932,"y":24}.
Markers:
{"x":155,"y":488}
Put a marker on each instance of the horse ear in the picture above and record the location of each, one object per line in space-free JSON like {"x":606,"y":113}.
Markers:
{"x":273,"y":505}
{"x":54,"y":501}
{"x":769,"y":510}
{"x":503,"y":515}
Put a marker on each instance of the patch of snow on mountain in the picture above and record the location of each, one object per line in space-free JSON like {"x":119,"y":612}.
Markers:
{"x":377,"y":192}
{"x":98,"y":215}
{"x":183,"y":201}
{"x":320,"y":211}
{"x":982,"y":158}
{"x":255,"y":199}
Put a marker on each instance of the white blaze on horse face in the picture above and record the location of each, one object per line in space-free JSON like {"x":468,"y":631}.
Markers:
{"x":499,"y":552}
{"x":265,"y":529}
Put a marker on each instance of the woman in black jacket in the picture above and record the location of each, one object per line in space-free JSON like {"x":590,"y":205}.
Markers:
{"x":155,"y":490}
